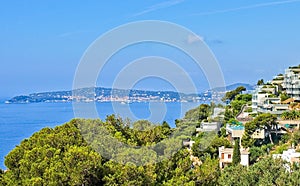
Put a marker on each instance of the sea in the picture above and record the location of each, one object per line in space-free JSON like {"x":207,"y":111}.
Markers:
{"x":20,"y":121}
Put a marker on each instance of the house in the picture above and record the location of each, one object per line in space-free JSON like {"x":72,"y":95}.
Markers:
{"x":188,"y":143}
{"x":209,"y":126}
{"x":235,"y":131}
{"x":213,"y":126}
{"x":290,"y":156}
{"x":226,"y":155}
{"x":245,"y":157}
{"x":218,"y":112}
{"x":289,"y":124}
{"x":259,"y":134}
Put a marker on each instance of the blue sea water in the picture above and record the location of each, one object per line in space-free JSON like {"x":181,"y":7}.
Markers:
{"x":20,"y":121}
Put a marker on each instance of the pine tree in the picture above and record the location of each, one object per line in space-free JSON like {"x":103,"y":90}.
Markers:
{"x":236,"y":159}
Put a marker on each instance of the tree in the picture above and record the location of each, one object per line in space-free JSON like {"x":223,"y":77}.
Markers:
{"x":240,"y":89}
{"x":236,"y":106}
{"x":244,"y":97}
{"x":1,"y":177}
{"x":255,"y":152}
{"x":230,"y":95}
{"x":208,"y":145}
{"x":129,"y":174}
{"x":234,"y":176}
{"x":142,"y":125}
{"x":260,"y":82}
{"x":296,"y":137}
{"x":290,"y":115}
{"x":228,"y":115}
{"x":207,"y":173}
{"x":268,"y":121}
{"x":56,"y":156}
{"x":247,"y":141}
{"x":198,"y":114}
{"x":236,"y":159}
{"x":265,"y":121}
{"x":284,"y":96}
{"x":265,"y":172}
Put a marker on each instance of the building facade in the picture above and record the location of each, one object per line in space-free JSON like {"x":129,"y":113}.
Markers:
{"x":291,"y":82}
{"x":226,"y":155}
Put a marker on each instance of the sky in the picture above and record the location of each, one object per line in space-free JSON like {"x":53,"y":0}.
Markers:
{"x":42,"y":42}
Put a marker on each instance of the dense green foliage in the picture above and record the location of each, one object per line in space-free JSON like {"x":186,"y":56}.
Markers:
{"x":61,"y":156}
{"x":296,"y":138}
{"x":263,"y":121}
{"x":236,"y":159}
{"x":267,"y":172}
{"x":200,"y":113}
{"x":66,"y":154}
{"x":284,"y":96}
{"x":230,"y":95}
{"x":206,"y":145}
{"x":54,"y":157}
{"x":291,"y":115}
{"x":236,"y":105}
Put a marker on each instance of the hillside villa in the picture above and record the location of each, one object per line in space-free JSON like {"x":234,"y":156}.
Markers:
{"x":226,"y":155}
{"x":290,"y":156}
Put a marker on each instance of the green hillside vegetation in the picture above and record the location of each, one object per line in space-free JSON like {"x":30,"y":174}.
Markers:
{"x":61,"y":156}
{"x":65,"y":155}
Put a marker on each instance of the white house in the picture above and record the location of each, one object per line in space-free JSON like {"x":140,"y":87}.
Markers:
{"x":290,"y":156}
{"x":226,"y":155}
{"x":188,"y":143}
{"x":209,"y":126}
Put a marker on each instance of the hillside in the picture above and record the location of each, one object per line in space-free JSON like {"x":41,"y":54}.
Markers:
{"x":100,"y":94}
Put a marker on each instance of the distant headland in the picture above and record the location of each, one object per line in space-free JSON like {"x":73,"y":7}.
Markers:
{"x":100,"y":94}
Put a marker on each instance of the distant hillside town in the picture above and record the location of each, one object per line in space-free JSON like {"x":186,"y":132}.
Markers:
{"x":100,"y":94}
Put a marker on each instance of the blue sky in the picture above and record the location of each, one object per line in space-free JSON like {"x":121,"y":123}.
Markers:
{"x":41,"y":42}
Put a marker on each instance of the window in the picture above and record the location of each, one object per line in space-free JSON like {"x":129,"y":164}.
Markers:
{"x":229,"y":156}
{"x":222,"y":155}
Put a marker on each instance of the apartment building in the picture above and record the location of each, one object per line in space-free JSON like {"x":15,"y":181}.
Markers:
{"x":291,"y":82}
{"x":265,"y":99}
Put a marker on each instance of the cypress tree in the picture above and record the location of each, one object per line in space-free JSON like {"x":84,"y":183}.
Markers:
{"x":236,"y":159}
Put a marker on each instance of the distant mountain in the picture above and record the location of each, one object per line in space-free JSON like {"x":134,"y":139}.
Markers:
{"x":233,"y":86}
